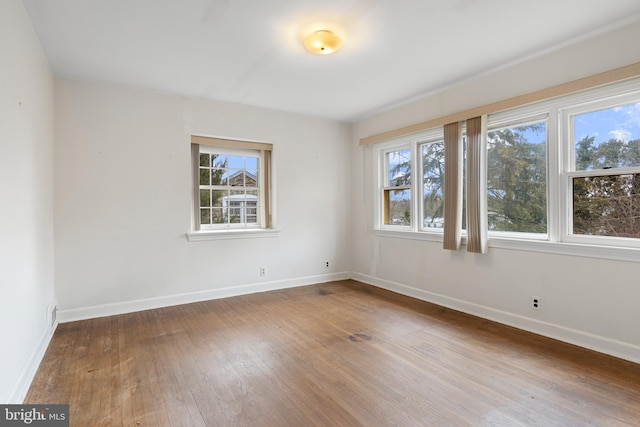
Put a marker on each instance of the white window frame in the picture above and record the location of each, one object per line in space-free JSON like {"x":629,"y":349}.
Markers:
{"x":560,"y":152}
{"x":266,"y":202}
{"x":515,"y":118}
{"x":569,"y":172}
{"x":260,"y":188}
{"x":383,"y":184}
{"x":425,"y":138}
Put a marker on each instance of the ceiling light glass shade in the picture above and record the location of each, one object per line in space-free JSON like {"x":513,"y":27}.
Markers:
{"x":322,"y":42}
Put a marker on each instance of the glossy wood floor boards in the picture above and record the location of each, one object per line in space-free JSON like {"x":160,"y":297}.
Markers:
{"x":333,"y":354}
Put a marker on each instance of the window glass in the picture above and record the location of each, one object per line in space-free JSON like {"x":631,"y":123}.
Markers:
{"x":516,"y":179}
{"x":433,"y":184}
{"x":397,"y":207}
{"x":607,"y":205}
{"x":608,"y":138}
{"x":397,"y":191}
{"x":399,"y":168}
{"x":228,"y":188}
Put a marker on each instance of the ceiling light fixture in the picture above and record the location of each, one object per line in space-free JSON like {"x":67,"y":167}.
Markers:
{"x":322,"y":42}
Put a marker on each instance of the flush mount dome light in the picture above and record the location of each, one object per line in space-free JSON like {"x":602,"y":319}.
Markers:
{"x":322,"y":42}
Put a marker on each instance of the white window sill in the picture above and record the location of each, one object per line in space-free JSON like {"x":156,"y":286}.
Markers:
{"x":198,"y":236}
{"x":411,"y":235}
{"x":529,"y":244}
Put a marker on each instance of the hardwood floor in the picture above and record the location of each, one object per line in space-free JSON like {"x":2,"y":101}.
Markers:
{"x":336,"y":354}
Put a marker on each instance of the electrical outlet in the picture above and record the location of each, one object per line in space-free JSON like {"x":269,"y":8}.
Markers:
{"x":263,"y":271}
{"x":326,"y":265}
{"x":535,"y":303}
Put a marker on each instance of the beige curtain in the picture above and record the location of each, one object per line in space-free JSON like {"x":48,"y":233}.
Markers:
{"x":452,"y":186}
{"x":195,"y":169}
{"x":476,"y":185}
{"x":266,"y":167}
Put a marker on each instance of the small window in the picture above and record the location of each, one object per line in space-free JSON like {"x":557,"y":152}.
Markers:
{"x":396,"y":192}
{"x":605,"y":181}
{"x":517,"y":178}
{"x":231,"y":184}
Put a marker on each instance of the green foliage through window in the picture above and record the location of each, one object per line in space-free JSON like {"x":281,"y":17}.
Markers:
{"x":607,"y":204}
{"x":517,"y":179}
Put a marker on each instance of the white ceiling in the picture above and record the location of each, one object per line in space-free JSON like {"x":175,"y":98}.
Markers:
{"x":249,"y":51}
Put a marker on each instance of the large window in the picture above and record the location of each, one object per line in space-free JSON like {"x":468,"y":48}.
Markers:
{"x":565,"y":170}
{"x":231,"y":184}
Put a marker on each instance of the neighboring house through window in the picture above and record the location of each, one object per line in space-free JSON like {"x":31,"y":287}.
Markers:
{"x":232,"y":184}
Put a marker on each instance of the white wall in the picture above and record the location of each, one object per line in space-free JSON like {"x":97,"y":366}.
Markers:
{"x":122,"y":208}
{"x":26,"y":201}
{"x":123,"y":200}
{"x":591,"y":302}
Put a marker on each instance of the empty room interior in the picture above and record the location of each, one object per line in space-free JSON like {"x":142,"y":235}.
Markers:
{"x":349,"y":212}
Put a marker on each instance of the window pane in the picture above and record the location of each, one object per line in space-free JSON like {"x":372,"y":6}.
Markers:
{"x":235,"y":162}
{"x":204,"y":176}
{"x":433,"y":181}
{"x":252,"y":198}
{"x":204,"y":159}
{"x":252,"y":215}
{"x":219,"y":161}
{"x":516,"y":179}
{"x":236,"y":178}
{"x":251,"y":178}
{"x":220,"y":177}
{"x":217,"y":216}
{"x":217,"y":197}
{"x":217,"y":177}
{"x":607,"y":138}
{"x":235,"y":215}
{"x":251,"y":162}
{"x":607,"y":205}
{"x":399,"y":167}
{"x":205,"y":216}
{"x":397,"y":207}
{"x":205,"y":198}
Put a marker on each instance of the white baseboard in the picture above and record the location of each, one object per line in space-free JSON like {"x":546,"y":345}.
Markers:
{"x":580,"y":338}
{"x":29,"y":371}
{"x":170,"y":300}
{"x":597,"y":343}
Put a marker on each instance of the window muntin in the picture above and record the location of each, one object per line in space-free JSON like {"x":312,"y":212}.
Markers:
{"x":517,"y":178}
{"x":396,"y":193}
{"x":229,"y":188}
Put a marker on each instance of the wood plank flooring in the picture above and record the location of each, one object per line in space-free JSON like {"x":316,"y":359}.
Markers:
{"x":333,"y":354}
